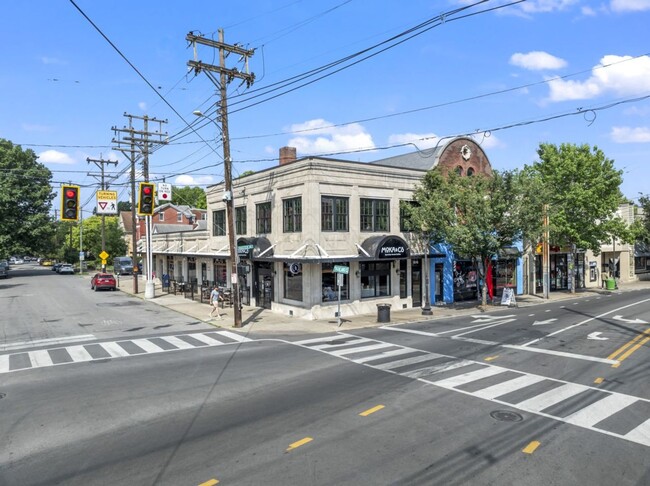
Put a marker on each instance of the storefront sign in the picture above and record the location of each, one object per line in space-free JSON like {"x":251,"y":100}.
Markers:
{"x":392,"y":248}
{"x":341,"y":269}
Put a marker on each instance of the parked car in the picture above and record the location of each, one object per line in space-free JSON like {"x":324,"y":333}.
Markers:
{"x":123,"y":265}
{"x":56,"y":266}
{"x":66,"y":268}
{"x":103,"y":281}
{"x":46,"y":262}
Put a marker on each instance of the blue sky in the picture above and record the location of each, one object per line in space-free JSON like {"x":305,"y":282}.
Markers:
{"x":553,"y":71}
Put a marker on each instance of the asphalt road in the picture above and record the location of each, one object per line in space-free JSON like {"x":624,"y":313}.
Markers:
{"x":521,"y":396}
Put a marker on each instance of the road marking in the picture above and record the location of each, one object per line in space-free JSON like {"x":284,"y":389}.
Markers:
{"x":40,"y":358}
{"x":371,"y":410}
{"x":627,"y":345}
{"x":491,"y":358}
{"x":599,"y":380}
{"x":551,"y":397}
{"x":530,"y":448}
{"x":597,"y":336}
{"x":339,"y":344}
{"x":547,"y":321}
{"x":600,"y":410}
{"x":509,"y":386}
{"x":299,"y":443}
{"x":4,"y":363}
{"x":430,"y":370}
{"x":407,"y":361}
{"x":586,"y":321}
{"x":46,"y":342}
{"x":179,"y":343}
{"x":640,"y":434}
{"x":370,"y":347}
{"x":385,"y":354}
{"x":560,"y":353}
{"x":79,"y":353}
{"x":470,"y":376}
{"x":629,"y":321}
{"x":115,"y":350}
{"x":234,"y":336}
{"x":629,"y":352}
{"x":209,"y":482}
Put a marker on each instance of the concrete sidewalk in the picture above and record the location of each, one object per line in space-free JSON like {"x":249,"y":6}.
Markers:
{"x":265,"y":321}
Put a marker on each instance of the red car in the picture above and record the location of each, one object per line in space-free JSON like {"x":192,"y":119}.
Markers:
{"x":102,"y":281}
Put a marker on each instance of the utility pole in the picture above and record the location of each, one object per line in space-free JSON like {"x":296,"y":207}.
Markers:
{"x":100,"y":163}
{"x":136,"y":145}
{"x":226,"y":75}
{"x":546,"y":255}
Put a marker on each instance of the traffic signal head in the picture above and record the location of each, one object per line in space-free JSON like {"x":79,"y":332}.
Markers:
{"x":69,"y":203}
{"x":145,"y":201}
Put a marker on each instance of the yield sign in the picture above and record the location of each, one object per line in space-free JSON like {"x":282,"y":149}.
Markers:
{"x":106,"y":202}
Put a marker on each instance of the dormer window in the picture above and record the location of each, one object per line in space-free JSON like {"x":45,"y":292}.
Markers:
{"x":179,"y":217}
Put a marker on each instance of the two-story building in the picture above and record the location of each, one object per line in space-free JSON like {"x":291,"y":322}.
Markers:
{"x":297,"y":221}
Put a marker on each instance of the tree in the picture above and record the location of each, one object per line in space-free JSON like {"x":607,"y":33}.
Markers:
{"x":189,"y":196}
{"x":643,"y":222}
{"x":581,"y":188}
{"x":476,"y":216}
{"x":25,"y":200}
{"x":92,"y":237}
{"x":124,"y":206}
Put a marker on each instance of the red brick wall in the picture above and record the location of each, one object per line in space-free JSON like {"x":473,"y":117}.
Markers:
{"x":452,"y":158}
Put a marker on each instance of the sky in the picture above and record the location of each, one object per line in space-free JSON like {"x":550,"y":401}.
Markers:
{"x":351,"y":79}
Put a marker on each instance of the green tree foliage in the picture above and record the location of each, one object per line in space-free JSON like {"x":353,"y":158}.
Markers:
{"x":582,"y":190}
{"x":643,"y":222}
{"x":92,"y":237}
{"x":25,"y":200}
{"x":124,"y":206}
{"x":189,"y":196}
{"x":477,"y":216}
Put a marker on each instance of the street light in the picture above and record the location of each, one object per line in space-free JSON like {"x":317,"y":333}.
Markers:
{"x":230,"y":210}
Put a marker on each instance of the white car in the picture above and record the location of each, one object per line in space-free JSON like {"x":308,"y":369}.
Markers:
{"x":66,"y":268}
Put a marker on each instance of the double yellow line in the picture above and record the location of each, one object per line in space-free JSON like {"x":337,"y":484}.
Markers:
{"x":627,"y":349}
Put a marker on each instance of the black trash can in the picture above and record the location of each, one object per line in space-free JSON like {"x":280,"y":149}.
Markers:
{"x":383,"y":312}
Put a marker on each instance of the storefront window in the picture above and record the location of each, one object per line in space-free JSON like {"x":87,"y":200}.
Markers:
{"x":465,"y":280}
{"x":293,"y":281}
{"x":504,"y":275}
{"x":191,"y":269}
{"x":219,"y":272}
{"x":329,"y":287}
{"x":375,"y":279}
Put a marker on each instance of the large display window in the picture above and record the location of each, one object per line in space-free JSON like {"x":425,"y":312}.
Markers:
{"x":329,"y":287}
{"x":375,"y":279}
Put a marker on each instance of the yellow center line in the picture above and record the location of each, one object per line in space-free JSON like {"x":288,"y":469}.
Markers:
{"x":299,"y":443}
{"x":530,"y":448}
{"x":630,"y":351}
{"x":491,"y":358}
{"x":627,"y":345}
{"x":371,"y":410}
{"x":599,"y":380}
{"x":210,"y":482}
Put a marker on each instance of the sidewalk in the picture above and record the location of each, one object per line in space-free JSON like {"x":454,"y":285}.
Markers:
{"x":262,"y":320}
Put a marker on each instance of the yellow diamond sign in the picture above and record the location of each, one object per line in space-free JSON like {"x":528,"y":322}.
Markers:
{"x":103,"y":255}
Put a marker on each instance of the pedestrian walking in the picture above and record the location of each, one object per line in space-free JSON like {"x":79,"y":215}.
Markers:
{"x":215,"y":297}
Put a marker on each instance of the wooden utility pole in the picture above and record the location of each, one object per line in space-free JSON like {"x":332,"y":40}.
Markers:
{"x":546,"y":255}
{"x":136,"y":145}
{"x":100,"y":163}
{"x":225,"y":76}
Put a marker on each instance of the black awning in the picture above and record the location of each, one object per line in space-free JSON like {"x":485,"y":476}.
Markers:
{"x":251,"y":248}
{"x":641,"y":249}
{"x":386,"y":247}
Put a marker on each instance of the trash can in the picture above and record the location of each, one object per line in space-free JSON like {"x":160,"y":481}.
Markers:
{"x":165,"y":281}
{"x":383,"y":312}
{"x":611,"y":284}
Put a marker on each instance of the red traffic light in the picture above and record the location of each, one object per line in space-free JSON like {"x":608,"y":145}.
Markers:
{"x":70,"y":193}
{"x":146,"y":190}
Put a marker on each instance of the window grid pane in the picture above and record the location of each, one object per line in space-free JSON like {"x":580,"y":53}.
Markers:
{"x":240,"y":220}
{"x":263,"y":218}
{"x":292,"y":215}
{"x":219,"y":223}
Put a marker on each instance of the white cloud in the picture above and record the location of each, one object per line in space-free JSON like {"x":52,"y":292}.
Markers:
{"x":32,"y":127}
{"x":630,"y":5}
{"x":269,"y":149}
{"x":621,"y":78}
{"x":320,"y":137}
{"x":188,"y":180}
{"x":537,"y":60}
{"x":630,"y":135}
{"x":588,"y":11}
{"x":421,"y":140}
{"x":537,"y":6}
{"x":487,"y":141}
{"x":55,"y":157}
{"x":142,"y":105}
{"x":52,"y":60}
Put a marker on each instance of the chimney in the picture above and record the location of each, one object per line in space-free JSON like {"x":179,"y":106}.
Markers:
{"x":287,"y":155}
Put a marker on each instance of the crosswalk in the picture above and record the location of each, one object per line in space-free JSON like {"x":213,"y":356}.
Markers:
{"x":79,"y":353}
{"x":606,"y":412}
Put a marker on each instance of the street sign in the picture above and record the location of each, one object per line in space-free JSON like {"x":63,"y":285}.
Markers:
{"x":341,"y":269}
{"x":103,"y":255}
{"x":164,"y":192}
{"x":106,"y":202}
{"x":81,"y":256}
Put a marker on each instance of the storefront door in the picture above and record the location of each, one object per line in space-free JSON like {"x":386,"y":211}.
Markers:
{"x":437,"y":283}
{"x":264,"y":288}
{"x":416,"y":282}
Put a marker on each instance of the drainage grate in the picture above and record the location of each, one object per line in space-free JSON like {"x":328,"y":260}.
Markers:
{"x":506,"y":416}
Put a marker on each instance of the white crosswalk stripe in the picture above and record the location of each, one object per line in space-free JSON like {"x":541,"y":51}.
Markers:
{"x":442,"y":371}
{"x":79,"y":353}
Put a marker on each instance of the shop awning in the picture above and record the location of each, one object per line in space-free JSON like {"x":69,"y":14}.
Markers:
{"x":384,"y":247}
{"x":255,"y":247}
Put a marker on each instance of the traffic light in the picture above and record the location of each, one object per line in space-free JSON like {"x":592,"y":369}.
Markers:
{"x":69,"y":203}
{"x":145,"y":201}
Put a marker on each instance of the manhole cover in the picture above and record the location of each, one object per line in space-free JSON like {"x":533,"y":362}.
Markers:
{"x":2,"y":395}
{"x":506,"y":416}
